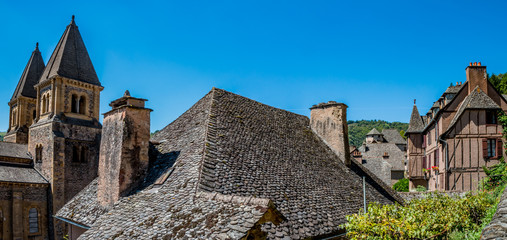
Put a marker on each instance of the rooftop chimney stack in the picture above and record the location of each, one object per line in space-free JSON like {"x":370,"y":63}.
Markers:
{"x":123,"y":159}
{"x":329,"y":121}
{"x":477,"y":76}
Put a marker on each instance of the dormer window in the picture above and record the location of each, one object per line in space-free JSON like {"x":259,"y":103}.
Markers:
{"x":386,"y":155}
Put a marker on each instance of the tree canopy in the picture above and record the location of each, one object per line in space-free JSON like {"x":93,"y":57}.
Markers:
{"x":359,"y":129}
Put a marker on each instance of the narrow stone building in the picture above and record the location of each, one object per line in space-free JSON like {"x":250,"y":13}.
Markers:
{"x":449,"y":146}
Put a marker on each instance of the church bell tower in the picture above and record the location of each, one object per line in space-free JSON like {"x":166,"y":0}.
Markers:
{"x":65,"y":138}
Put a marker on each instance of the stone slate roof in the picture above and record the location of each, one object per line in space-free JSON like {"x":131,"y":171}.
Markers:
{"x":376,"y":152}
{"x":393,"y":136}
{"x":234,"y":147}
{"x":30,"y":77}
{"x":453,"y":89}
{"x":436,"y":105}
{"x":416,"y":124}
{"x":20,"y":174}
{"x":70,"y":58}
{"x":14,"y":150}
{"x":477,"y":99}
{"x":374,"y":131}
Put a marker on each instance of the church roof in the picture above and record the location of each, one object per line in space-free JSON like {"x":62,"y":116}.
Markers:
{"x":20,"y":174}
{"x":70,"y":58}
{"x":230,"y":146}
{"x":416,"y":124}
{"x":374,"y":131}
{"x":393,"y":136}
{"x":30,"y":77}
{"x":14,"y":150}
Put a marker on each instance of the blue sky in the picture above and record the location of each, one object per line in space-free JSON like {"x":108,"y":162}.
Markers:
{"x":375,"y":56}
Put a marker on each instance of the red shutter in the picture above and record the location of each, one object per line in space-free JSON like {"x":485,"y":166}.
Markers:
{"x":499,"y":148}
{"x":485,"y":148}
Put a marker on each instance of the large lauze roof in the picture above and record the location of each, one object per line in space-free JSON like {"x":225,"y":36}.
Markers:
{"x":30,"y":76}
{"x":230,"y":147}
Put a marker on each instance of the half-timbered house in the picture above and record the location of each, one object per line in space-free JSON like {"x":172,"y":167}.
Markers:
{"x":448,"y":147}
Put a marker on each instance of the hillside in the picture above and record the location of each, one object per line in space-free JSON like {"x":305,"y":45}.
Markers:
{"x":2,"y":134}
{"x":359,"y":129}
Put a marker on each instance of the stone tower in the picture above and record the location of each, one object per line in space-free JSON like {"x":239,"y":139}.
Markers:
{"x":65,"y":138}
{"x":123,"y":160}
{"x":22,"y":104}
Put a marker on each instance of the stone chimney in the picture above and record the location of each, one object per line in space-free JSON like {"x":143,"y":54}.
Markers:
{"x":477,"y":76}
{"x":123,"y":159}
{"x":329,"y":121}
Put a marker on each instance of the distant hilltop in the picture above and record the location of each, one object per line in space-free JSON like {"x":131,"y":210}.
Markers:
{"x":358,"y":129}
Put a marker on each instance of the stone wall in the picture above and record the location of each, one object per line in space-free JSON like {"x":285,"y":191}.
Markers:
{"x":16,"y":200}
{"x":497,"y":228}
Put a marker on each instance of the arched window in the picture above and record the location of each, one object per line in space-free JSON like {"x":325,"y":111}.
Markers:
{"x":82,"y":105}
{"x":76,"y":154}
{"x":84,"y":151}
{"x":47,"y":103}
{"x":43,"y":103}
{"x":74,"y":105}
{"x":38,"y":153}
{"x":34,"y":114}
{"x":33,"y":220}
{"x":14,"y":117}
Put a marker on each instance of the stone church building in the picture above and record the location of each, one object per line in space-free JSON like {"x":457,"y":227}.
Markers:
{"x":227,"y":168}
{"x":449,"y":146}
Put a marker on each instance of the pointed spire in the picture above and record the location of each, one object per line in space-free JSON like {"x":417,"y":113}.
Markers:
{"x":72,"y":22}
{"x":70,"y":58}
{"x":416,"y":124}
{"x":30,"y":76}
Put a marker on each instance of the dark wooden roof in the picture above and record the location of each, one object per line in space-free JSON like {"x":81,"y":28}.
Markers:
{"x":416,"y":124}
{"x":238,"y":148}
{"x":70,"y":58}
{"x":30,"y":77}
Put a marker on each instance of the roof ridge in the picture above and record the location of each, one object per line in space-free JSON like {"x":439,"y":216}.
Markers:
{"x":207,"y":163}
{"x":27,"y":81}
{"x":236,"y":199}
{"x":219,"y":89}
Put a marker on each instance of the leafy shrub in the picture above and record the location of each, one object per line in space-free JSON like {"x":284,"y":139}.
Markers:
{"x":421,"y":188}
{"x":401,"y":185}
{"x":436,"y":216}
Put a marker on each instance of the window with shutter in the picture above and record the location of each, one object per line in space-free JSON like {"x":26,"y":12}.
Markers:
{"x":485,"y":148}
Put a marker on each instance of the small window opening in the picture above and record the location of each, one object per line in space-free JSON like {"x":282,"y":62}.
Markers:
{"x":33,"y":220}
{"x":74,"y":105}
{"x":82,"y":105}
{"x":491,"y":117}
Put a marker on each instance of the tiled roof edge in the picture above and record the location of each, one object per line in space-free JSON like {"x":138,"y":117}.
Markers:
{"x":206,"y":179}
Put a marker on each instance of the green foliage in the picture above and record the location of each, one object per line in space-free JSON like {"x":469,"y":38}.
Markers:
{"x":359,"y":129}
{"x":2,"y":134}
{"x":437,"y":216}
{"x":401,"y":185}
{"x":153,"y":133}
{"x":421,"y":188}
{"x":499,"y":82}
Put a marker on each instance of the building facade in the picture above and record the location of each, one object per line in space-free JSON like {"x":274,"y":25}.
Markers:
{"x":449,"y":146}
{"x":384,"y":154}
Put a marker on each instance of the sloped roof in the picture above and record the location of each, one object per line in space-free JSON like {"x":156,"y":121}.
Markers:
{"x":416,"y":124}
{"x":14,"y":150}
{"x":20,"y":174}
{"x":70,"y":58}
{"x":477,"y":99}
{"x":393,"y":136}
{"x":453,"y":89}
{"x":436,"y":105}
{"x":374,"y":131}
{"x":30,"y":77}
{"x":237,"y":147}
{"x":376,"y":152}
